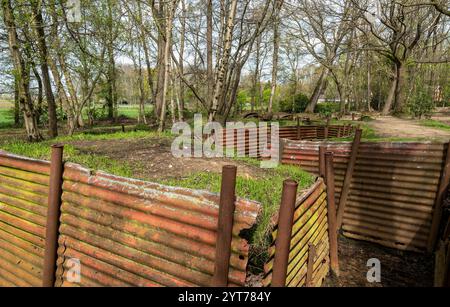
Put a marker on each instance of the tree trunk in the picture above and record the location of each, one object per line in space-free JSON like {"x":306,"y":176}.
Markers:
{"x":369,"y":81}
{"x":276,"y":47}
{"x":256,"y":81}
{"x":399,"y":93}
{"x":161,"y":64}
{"x":318,"y":90}
{"x":43,"y":55}
{"x":180,"y":95}
{"x":40,"y":97}
{"x":209,"y":53}
{"x":167,"y":52}
{"x":112,"y":91}
{"x":223,"y":65}
{"x":146,"y":55}
{"x":25,"y":102}
{"x":16,"y":103}
{"x":393,"y":91}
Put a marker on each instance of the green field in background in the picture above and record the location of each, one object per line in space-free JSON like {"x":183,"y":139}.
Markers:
{"x":6,"y":114}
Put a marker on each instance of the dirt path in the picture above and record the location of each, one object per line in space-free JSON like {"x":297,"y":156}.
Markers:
{"x":387,"y":126}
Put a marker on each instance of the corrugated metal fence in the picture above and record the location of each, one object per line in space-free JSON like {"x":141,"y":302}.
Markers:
{"x":392,"y":192}
{"x":248,"y":139}
{"x":124,"y":232}
{"x":309,"y":232}
{"x":23,"y":210}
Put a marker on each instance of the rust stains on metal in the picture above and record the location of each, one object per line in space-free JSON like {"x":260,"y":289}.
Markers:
{"x":393,"y":189}
{"x":23,"y":210}
{"x":331,"y":208}
{"x":131,"y":232}
{"x":310,"y":227}
{"x":225,"y":226}
{"x":283,"y":240}
{"x":53,"y":213}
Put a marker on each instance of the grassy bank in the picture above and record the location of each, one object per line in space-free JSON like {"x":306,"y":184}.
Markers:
{"x":265,"y":190}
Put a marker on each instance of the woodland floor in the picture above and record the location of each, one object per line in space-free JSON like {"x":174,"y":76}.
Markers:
{"x":398,"y":268}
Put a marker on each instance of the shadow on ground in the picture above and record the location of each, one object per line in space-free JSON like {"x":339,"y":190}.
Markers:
{"x":398,"y":268}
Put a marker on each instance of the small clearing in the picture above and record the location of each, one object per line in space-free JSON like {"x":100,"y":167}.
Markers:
{"x":151,"y":158}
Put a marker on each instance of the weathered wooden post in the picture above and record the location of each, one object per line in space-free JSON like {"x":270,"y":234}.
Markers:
{"x":322,"y":150}
{"x":283,"y":240}
{"x":310,"y":265}
{"x":53,"y":213}
{"x":326,"y":130}
{"x":348,"y":177}
{"x":331,"y":206}
{"x":225,"y":226}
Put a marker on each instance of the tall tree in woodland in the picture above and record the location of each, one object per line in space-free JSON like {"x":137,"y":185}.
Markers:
{"x":223,"y":63}
{"x":209,"y":50}
{"x":167,"y":55}
{"x":36,"y":7}
{"x":321,"y":27}
{"x":397,"y":29}
{"x":112,"y":71}
{"x":159,"y":16}
{"x":276,"y":47}
{"x":21,"y":72}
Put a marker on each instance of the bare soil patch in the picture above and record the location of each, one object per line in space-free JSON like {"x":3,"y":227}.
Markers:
{"x":151,"y":158}
{"x":388,"y":126}
{"x":398,"y":268}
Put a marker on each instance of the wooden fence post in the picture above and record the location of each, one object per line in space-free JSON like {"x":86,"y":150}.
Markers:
{"x":348,"y":177}
{"x":283,"y":240}
{"x":225,"y":226}
{"x":325,"y":132}
{"x":322,"y":150}
{"x":298,"y":128}
{"x":331,"y":206}
{"x":53,"y":213}
{"x":437,"y":214}
{"x":310,"y":265}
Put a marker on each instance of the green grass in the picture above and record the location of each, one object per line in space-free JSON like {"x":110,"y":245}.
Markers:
{"x":131,"y":111}
{"x":266,"y":190}
{"x":434,"y":124}
{"x":42,"y":150}
{"x":6,"y":115}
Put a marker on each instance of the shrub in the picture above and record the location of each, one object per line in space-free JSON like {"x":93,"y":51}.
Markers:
{"x":296,"y":105}
{"x":327,"y":108}
{"x":421,"y":103}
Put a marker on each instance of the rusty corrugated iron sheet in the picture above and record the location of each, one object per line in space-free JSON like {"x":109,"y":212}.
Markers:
{"x":393,"y":189}
{"x":310,"y":227}
{"x":248,"y":139}
{"x":23,"y":210}
{"x":127,"y":232}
